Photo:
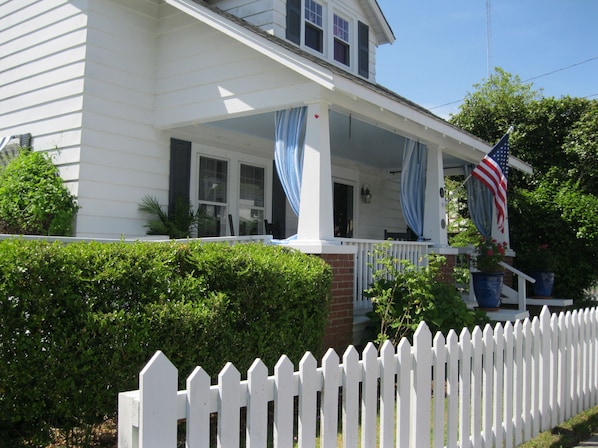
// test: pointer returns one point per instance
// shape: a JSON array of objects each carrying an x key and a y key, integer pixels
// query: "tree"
[{"x": 557, "y": 205}]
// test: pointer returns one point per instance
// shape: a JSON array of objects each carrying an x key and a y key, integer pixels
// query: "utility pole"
[{"x": 488, "y": 38}]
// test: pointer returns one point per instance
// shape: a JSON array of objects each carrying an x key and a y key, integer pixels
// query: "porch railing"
[{"x": 365, "y": 261}]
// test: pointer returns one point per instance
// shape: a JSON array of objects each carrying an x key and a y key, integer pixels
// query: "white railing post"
[{"x": 128, "y": 419}]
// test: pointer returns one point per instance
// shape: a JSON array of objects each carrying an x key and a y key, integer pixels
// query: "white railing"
[
  {"x": 495, "y": 387},
  {"x": 364, "y": 260}
]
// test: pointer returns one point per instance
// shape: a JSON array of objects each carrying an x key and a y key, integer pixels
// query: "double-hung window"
[
  {"x": 314, "y": 32},
  {"x": 341, "y": 40},
  {"x": 251, "y": 199},
  {"x": 212, "y": 196}
]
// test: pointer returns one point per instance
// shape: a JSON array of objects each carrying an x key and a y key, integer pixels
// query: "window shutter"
[
  {"x": 180, "y": 171},
  {"x": 363, "y": 49},
  {"x": 294, "y": 21}
]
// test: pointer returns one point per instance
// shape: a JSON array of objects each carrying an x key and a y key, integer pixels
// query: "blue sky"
[{"x": 440, "y": 50}]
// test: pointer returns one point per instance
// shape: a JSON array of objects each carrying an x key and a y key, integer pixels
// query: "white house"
[{"x": 167, "y": 97}]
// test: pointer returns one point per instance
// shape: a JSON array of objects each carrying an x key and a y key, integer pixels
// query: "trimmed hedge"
[{"x": 79, "y": 321}]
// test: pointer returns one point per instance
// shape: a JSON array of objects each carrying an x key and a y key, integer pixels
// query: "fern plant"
[{"x": 179, "y": 224}]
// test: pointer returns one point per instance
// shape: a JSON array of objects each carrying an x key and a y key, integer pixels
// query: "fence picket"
[
  {"x": 488, "y": 379},
  {"x": 497, "y": 422},
  {"x": 257, "y": 405},
  {"x": 198, "y": 413},
  {"x": 495, "y": 392},
  {"x": 329, "y": 414},
  {"x": 465, "y": 388},
  {"x": 439, "y": 371},
  {"x": 283, "y": 399},
  {"x": 369, "y": 395},
  {"x": 452, "y": 389},
  {"x": 351, "y": 377},
  {"x": 404, "y": 427},
  {"x": 476, "y": 385},
  {"x": 422, "y": 379},
  {"x": 509, "y": 380},
  {"x": 157, "y": 402},
  {"x": 387, "y": 395},
  {"x": 518, "y": 382}
]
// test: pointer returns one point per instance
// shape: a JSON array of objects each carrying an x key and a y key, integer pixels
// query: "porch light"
[{"x": 365, "y": 194}]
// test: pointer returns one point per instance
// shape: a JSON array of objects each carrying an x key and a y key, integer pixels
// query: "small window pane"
[
  {"x": 341, "y": 28},
  {"x": 341, "y": 52},
  {"x": 212, "y": 180},
  {"x": 313, "y": 12},
  {"x": 211, "y": 220},
  {"x": 314, "y": 38},
  {"x": 252, "y": 185}
]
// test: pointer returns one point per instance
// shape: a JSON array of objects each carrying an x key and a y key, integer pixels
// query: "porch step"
[
  {"x": 505, "y": 314},
  {"x": 537, "y": 301}
]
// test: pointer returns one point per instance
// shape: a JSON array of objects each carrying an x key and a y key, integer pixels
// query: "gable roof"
[
  {"x": 328, "y": 75},
  {"x": 384, "y": 33}
]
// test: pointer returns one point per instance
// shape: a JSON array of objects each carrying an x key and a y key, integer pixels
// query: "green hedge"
[{"x": 79, "y": 321}]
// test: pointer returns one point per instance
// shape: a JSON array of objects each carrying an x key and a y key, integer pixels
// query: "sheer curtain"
[
  {"x": 413, "y": 185},
  {"x": 288, "y": 152},
  {"x": 479, "y": 202}
]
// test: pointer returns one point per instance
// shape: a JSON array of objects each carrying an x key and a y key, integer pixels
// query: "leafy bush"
[
  {"x": 79, "y": 321},
  {"x": 33, "y": 198},
  {"x": 403, "y": 295}
]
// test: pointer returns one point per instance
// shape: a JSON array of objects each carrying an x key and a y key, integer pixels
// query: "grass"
[{"x": 569, "y": 434}]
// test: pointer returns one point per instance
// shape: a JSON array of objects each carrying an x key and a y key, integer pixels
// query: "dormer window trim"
[{"x": 321, "y": 28}]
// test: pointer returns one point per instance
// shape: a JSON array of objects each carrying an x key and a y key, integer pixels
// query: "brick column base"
[{"x": 339, "y": 331}]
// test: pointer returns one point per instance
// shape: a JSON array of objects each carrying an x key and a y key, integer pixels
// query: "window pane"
[
  {"x": 341, "y": 52},
  {"x": 251, "y": 221},
  {"x": 211, "y": 220},
  {"x": 313, "y": 12},
  {"x": 341, "y": 28},
  {"x": 252, "y": 186},
  {"x": 212, "y": 180},
  {"x": 314, "y": 38}
]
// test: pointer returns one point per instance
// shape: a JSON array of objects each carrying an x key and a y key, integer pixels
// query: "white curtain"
[
  {"x": 413, "y": 185},
  {"x": 288, "y": 152}
]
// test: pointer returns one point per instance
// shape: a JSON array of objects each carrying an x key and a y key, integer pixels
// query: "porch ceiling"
[{"x": 350, "y": 138}]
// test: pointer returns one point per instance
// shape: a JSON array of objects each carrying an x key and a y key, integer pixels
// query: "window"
[
  {"x": 314, "y": 33},
  {"x": 343, "y": 210},
  {"x": 341, "y": 40},
  {"x": 251, "y": 200},
  {"x": 213, "y": 197}
]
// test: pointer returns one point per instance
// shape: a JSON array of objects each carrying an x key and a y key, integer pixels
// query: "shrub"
[
  {"x": 79, "y": 321},
  {"x": 403, "y": 295},
  {"x": 33, "y": 198}
]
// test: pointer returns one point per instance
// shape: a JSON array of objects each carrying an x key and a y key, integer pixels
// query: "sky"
[{"x": 441, "y": 48}]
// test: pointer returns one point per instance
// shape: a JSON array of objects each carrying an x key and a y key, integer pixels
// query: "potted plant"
[
  {"x": 488, "y": 279},
  {"x": 541, "y": 262}
]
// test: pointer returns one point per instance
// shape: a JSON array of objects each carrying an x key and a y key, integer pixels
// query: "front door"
[{"x": 343, "y": 210}]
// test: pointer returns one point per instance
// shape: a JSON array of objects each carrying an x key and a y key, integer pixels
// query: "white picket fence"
[{"x": 493, "y": 387}]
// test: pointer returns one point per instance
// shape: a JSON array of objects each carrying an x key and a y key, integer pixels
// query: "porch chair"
[
  {"x": 272, "y": 228},
  {"x": 230, "y": 224},
  {"x": 396, "y": 236}
]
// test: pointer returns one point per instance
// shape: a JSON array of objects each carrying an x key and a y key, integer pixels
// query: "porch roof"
[{"x": 376, "y": 114}]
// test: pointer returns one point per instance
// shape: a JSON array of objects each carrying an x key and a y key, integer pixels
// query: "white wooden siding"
[
  {"x": 41, "y": 77},
  {"x": 123, "y": 157},
  {"x": 203, "y": 75}
]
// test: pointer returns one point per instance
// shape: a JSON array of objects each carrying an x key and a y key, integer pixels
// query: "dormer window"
[
  {"x": 314, "y": 33},
  {"x": 341, "y": 40},
  {"x": 329, "y": 30}
]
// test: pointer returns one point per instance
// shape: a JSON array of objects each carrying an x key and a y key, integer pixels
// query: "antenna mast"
[{"x": 488, "y": 38}]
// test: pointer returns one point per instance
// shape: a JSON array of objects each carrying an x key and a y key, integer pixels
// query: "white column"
[
  {"x": 435, "y": 203},
  {"x": 316, "y": 209}
]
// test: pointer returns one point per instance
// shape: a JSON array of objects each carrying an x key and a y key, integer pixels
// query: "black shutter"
[
  {"x": 363, "y": 49},
  {"x": 180, "y": 172},
  {"x": 294, "y": 21}
]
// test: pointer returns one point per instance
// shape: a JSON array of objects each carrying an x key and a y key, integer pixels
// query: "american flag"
[{"x": 492, "y": 171}]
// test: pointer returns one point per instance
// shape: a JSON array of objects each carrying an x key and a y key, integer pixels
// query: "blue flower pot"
[
  {"x": 487, "y": 288},
  {"x": 544, "y": 283}
]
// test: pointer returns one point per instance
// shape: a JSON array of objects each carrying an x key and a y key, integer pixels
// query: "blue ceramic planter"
[
  {"x": 487, "y": 288},
  {"x": 544, "y": 283}
]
